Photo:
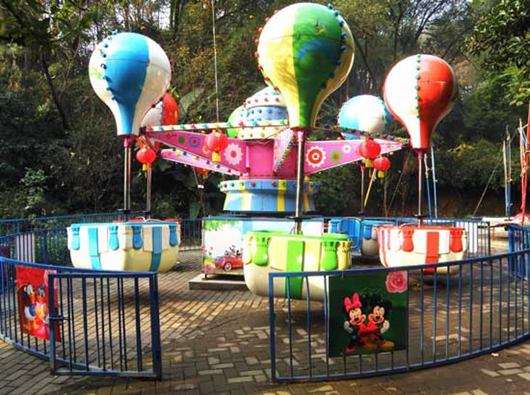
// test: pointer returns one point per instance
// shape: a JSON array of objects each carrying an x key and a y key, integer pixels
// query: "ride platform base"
[{"x": 212, "y": 282}]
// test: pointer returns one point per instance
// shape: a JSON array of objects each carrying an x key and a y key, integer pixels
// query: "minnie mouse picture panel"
[{"x": 368, "y": 313}]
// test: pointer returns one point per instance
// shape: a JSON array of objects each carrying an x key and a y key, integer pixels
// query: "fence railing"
[
  {"x": 105, "y": 322},
  {"x": 49, "y": 246},
  {"x": 45, "y": 246},
  {"x": 84, "y": 322},
  {"x": 476, "y": 306},
  {"x": 20, "y": 225},
  {"x": 478, "y": 231},
  {"x": 191, "y": 234}
]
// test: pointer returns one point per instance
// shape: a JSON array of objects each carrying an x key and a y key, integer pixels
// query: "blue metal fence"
[
  {"x": 478, "y": 231},
  {"x": 20, "y": 225},
  {"x": 105, "y": 322},
  {"x": 108, "y": 322},
  {"x": 46, "y": 246},
  {"x": 49, "y": 246},
  {"x": 113, "y": 329},
  {"x": 191, "y": 234},
  {"x": 482, "y": 307}
]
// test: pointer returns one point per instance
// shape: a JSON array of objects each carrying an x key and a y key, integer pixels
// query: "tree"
[{"x": 501, "y": 40}]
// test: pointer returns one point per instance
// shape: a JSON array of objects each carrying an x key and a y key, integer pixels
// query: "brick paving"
[{"x": 217, "y": 342}]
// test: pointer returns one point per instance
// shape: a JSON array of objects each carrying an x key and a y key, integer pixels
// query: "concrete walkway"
[{"x": 216, "y": 342}]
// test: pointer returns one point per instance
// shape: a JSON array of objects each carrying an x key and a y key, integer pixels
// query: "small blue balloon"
[{"x": 366, "y": 114}]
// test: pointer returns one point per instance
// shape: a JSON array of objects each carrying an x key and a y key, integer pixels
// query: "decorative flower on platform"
[
  {"x": 315, "y": 156},
  {"x": 233, "y": 154},
  {"x": 396, "y": 282}
]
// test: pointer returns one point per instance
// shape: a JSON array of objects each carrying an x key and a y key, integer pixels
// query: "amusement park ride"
[{"x": 305, "y": 52}]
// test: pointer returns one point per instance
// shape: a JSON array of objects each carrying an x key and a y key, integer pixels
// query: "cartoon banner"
[
  {"x": 223, "y": 239},
  {"x": 368, "y": 313},
  {"x": 32, "y": 295}
]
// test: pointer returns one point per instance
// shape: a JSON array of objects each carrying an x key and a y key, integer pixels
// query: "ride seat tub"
[
  {"x": 128, "y": 246},
  {"x": 410, "y": 245},
  {"x": 363, "y": 233},
  {"x": 267, "y": 252}
]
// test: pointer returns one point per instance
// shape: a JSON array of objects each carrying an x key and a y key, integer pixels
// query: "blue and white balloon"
[
  {"x": 365, "y": 113},
  {"x": 130, "y": 73}
]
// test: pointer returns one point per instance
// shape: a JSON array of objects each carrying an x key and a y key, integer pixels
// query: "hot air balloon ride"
[
  {"x": 305, "y": 52},
  {"x": 419, "y": 92},
  {"x": 130, "y": 73}
]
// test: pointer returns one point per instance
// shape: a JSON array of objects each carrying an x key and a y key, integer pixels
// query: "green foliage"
[
  {"x": 216, "y": 224},
  {"x": 501, "y": 38},
  {"x": 59, "y": 153},
  {"x": 469, "y": 166},
  {"x": 337, "y": 187}
]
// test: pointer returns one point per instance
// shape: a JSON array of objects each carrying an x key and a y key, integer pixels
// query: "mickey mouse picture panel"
[{"x": 368, "y": 313}]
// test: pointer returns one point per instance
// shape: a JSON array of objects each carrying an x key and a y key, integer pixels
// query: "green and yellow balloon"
[{"x": 306, "y": 51}]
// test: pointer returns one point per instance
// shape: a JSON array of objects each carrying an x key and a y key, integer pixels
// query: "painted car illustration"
[{"x": 230, "y": 260}]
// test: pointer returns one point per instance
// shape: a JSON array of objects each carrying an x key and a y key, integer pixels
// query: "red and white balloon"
[
  {"x": 166, "y": 112},
  {"x": 420, "y": 91}
]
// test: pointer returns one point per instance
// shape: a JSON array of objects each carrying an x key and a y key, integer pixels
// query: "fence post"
[
  {"x": 45, "y": 247},
  {"x": 271, "y": 328},
  {"x": 155, "y": 326},
  {"x": 52, "y": 320}
]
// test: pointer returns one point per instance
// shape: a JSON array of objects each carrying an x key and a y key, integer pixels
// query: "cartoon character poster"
[
  {"x": 32, "y": 294},
  {"x": 368, "y": 313},
  {"x": 223, "y": 240}
]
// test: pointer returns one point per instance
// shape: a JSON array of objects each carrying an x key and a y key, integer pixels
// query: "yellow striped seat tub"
[{"x": 267, "y": 252}]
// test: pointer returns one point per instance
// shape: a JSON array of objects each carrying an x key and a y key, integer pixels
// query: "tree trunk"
[{"x": 53, "y": 91}]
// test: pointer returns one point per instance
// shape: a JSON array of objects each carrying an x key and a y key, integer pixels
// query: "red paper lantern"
[
  {"x": 381, "y": 164},
  {"x": 216, "y": 142},
  {"x": 146, "y": 156},
  {"x": 202, "y": 171},
  {"x": 369, "y": 149}
]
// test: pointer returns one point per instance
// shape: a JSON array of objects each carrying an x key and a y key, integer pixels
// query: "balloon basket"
[
  {"x": 411, "y": 245},
  {"x": 267, "y": 252},
  {"x": 127, "y": 246}
]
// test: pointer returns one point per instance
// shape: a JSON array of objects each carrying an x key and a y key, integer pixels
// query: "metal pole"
[
  {"x": 127, "y": 143},
  {"x": 427, "y": 184},
  {"x": 506, "y": 150},
  {"x": 420, "y": 188},
  {"x": 434, "y": 182},
  {"x": 215, "y": 64},
  {"x": 300, "y": 181},
  {"x": 361, "y": 213},
  {"x": 526, "y": 151},
  {"x": 148, "y": 191}
]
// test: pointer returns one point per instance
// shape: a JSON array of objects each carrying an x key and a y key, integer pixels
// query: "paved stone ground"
[{"x": 218, "y": 343}]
